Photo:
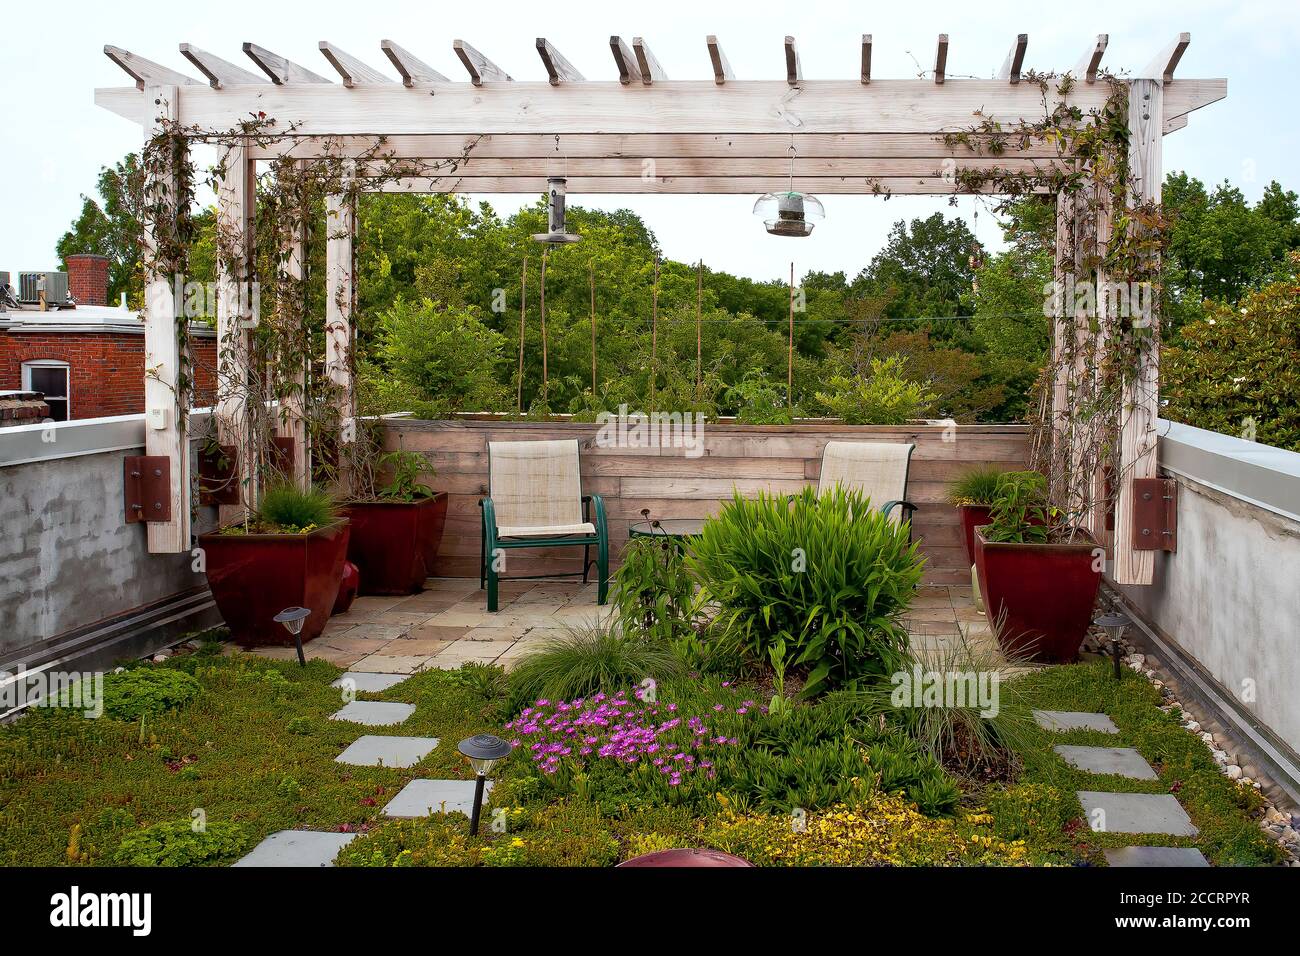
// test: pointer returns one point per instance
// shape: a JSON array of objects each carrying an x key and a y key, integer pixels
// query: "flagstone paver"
[
  {"x": 1124, "y": 761},
  {"x": 392, "y": 663},
  {"x": 297, "y": 848},
  {"x": 419, "y": 798},
  {"x": 1074, "y": 720},
  {"x": 370, "y": 683},
  {"x": 374, "y": 750},
  {"x": 1156, "y": 856},
  {"x": 375, "y": 713},
  {"x": 1136, "y": 813}
]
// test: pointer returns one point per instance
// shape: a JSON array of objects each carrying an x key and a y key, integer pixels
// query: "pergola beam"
[
  {"x": 480, "y": 69},
  {"x": 146, "y": 72},
  {"x": 866, "y": 58},
  {"x": 413, "y": 70},
  {"x": 693, "y": 185},
  {"x": 1087, "y": 68},
  {"x": 353, "y": 71},
  {"x": 1166, "y": 61},
  {"x": 793, "y": 71},
  {"x": 941, "y": 59},
  {"x": 220, "y": 73},
  {"x": 629, "y": 70},
  {"x": 721, "y": 68},
  {"x": 282, "y": 71},
  {"x": 1015, "y": 59},
  {"x": 650, "y": 68},
  {"x": 559, "y": 69}
]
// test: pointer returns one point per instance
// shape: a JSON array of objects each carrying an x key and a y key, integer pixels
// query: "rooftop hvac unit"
[{"x": 56, "y": 287}]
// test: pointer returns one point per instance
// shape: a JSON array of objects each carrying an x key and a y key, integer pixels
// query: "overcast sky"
[{"x": 55, "y": 139}]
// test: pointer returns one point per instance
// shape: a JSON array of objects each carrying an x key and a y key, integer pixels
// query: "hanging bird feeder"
[
  {"x": 789, "y": 213},
  {"x": 555, "y": 214}
]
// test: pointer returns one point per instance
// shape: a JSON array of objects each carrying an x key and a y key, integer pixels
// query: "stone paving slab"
[
  {"x": 1156, "y": 856},
  {"x": 419, "y": 798},
  {"x": 1124, "y": 761},
  {"x": 370, "y": 683},
  {"x": 375, "y": 713},
  {"x": 1135, "y": 813},
  {"x": 374, "y": 750},
  {"x": 297, "y": 848},
  {"x": 1074, "y": 720},
  {"x": 392, "y": 663}
]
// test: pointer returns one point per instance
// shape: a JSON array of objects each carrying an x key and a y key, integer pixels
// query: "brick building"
[{"x": 88, "y": 361}]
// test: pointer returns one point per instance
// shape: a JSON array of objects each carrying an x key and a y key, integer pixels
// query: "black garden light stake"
[
  {"x": 292, "y": 618},
  {"x": 484, "y": 752},
  {"x": 1114, "y": 625}
]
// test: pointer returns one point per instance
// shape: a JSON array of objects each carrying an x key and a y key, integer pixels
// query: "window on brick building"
[{"x": 53, "y": 379}]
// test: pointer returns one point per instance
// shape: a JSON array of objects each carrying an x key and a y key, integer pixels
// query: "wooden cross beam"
[
  {"x": 1166, "y": 61},
  {"x": 146, "y": 72},
  {"x": 646, "y": 62},
  {"x": 721, "y": 68},
  {"x": 481, "y": 70},
  {"x": 1015, "y": 59},
  {"x": 353, "y": 71},
  {"x": 793, "y": 72},
  {"x": 1087, "y": 68},
  {"x": 219, "y": 72},
  {"x": 558, "y": 68},
  {"x": 412, "y": 69},
  {"x": 629, "y": 70},
  {"x": 280, "y": 70},
  {"x": 941, "y": 59},
  {"x": 866, "y": 58}
]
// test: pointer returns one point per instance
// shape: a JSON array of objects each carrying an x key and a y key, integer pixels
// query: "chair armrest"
[
  {"x": 596, "y": 501},
  {"x": 907, "y": 507},
  {"x": 489, "y": 510}
]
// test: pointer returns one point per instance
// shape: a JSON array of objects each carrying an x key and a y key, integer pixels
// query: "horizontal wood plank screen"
[{"x": 748, "y": 458}]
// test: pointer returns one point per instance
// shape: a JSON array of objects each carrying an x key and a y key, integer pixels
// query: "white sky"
[{"x": 53, "y": 139}]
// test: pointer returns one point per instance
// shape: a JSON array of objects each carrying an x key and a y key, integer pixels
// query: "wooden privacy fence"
[{"x": 744, "y": 458}]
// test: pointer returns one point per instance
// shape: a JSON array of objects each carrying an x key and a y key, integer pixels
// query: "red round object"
[
  {"x": 349, "y": 585},
  {"x": 686, "y": 857}
]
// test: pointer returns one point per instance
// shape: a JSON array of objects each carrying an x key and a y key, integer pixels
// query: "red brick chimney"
[{"x": 88, "y": 278}]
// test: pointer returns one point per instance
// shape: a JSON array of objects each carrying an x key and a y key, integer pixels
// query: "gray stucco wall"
[
  {"x": 68, "y": 559},
  {"x": 1230, "y": 595}
]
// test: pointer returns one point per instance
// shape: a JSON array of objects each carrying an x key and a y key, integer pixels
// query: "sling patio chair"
[
  {"x": 535, "y": 500},
  {"x": 876, "y": 469}
]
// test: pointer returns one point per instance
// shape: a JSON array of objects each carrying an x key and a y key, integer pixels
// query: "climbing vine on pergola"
[{"x": 1090, "y": 137}]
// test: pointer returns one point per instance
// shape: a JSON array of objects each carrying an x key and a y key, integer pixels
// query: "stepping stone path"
[
  {"x": 297, "y": 848},
  {"x": 1156, "y": 856},
  {"x": 1123, "y": 812},
  {"x": 376, "y": 713},
  {"x": 1074, "y": 720},
  {"x": 376, "y": 751},
  {"x": 419, "y": 798},
  {"x": 369, "y": 683},
  {"x": 1124, "y": 761}
]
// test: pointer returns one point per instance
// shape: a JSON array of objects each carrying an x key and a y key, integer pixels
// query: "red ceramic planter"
[
  {"x": 972, "y": 517},
  {"x": 394, "y": 543},
  {"x": 1042, "y": 595},
  {"x": 254, "y": 577}
]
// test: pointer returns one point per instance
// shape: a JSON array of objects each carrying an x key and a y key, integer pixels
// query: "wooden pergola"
[{"x": 639, "y": 133}]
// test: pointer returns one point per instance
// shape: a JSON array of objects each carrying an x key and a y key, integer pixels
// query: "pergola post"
[
  {"x": 166, "y": 388},
  {"x": 1062, "y": 327},
  {"x": 236, "y": 192},
  {"x": 291, "y": 422},
  {"x": 1096, "y": 521},
  {"x": 340, "y": 297},
  {"x": 1140, "y": 406}
]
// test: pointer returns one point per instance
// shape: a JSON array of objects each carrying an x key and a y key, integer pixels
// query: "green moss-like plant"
[
  {"x": 182, "y": 843},
  {"x": 147, "y": 692}
]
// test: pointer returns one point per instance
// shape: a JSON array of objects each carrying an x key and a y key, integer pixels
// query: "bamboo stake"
[
  {"x": 545, "y": 377},
  {"x": 699, "y": 350},
  {"x": 654, "y": 337},
  {"x": 789, "y": 368},
  {"x": 523, "y": 305},
  {"x": 591, "y": 279}
]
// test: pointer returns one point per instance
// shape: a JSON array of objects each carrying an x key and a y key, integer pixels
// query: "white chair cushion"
[{"x": 547, "y": 531}]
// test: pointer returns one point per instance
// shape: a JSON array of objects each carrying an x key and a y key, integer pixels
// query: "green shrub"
[
  {"x": 588, "y": 659},
  {"x": 978, "y": 486},
  {"x": 759, "y": 402},
  {"x": 1019, "y": 511},
  {"x": 288, "y": 509},
  {"x": 813, "y": 583},
  {"x": 179, "y": 843},
  {"x": 147, "y": 691},
  {"x": 885, "y": 397},
  {"x": 655, "y": 591}
]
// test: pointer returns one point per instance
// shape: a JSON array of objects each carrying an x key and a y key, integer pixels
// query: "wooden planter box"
[
  {"x": 1039, "y": 597},
  {"x": 254, "y": 577},
  {"x": 394, "y": 543}
]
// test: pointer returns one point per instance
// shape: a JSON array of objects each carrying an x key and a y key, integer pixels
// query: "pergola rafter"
[{"x": 715, "y": 135}]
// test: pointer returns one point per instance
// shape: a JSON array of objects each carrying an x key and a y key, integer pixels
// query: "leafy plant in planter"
[
  {"x": 1038, "y": 575},
  {"x": 287, "y": 553},
  {"x": 397, "y": 522},
  {"x": 825, "y": 580},
  {"x": 973, "y": 495}
]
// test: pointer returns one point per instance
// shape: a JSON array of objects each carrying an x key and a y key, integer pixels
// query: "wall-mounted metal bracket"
[
  {"x": 147, "y": 488},
  {"x": 219, "y": 474},
  {"x": 282, "y": 455},
  {"x": 1155, "y": 514}
]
